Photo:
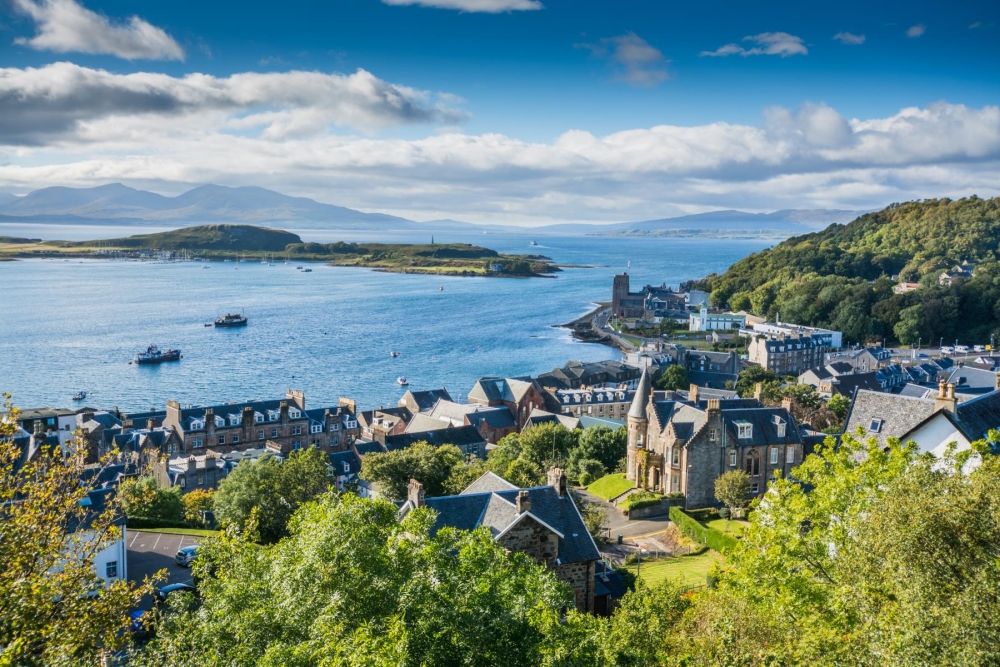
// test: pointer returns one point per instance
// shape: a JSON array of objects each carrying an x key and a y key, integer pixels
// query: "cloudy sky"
[{"x": 508, "y": 111}]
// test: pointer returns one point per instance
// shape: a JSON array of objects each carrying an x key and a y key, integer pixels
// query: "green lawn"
[
  {"x": 733, "y": 527},
  {"x": 610, "y": 486},
  {"x": 198, "y": 532},
  {"x": 689, "y": 570}
]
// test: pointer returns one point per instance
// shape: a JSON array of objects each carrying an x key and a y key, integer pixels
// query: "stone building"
[
  {"x": 542, "y": 522},
  {"x": 519, "y": 395},
  {"x": 285, "y": 423},
  {"x": 787, "y": 354},
  {"x": 679, "y": 446}
]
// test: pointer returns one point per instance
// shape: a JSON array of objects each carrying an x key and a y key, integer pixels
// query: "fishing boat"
[
  {"x": 79, "y": 396},
  {"x": 231, "y": 320},
  {"x": 154, "y": 355},
  {"x": 532, "y": 242},
  {"x": 402, "y": 381}
]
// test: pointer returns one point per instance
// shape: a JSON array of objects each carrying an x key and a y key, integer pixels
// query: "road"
[{"x": 619, "y": 525}]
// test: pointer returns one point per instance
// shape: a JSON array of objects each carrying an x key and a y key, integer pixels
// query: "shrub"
[
  {"x": 696, "y": 531},
  {"x": 641, "y": 499}
]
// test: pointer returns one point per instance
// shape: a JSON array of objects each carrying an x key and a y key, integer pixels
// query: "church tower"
[{"x": 638, "y": 423}]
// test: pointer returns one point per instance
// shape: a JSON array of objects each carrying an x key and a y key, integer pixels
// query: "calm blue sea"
[{"x": 71, "y": 326}]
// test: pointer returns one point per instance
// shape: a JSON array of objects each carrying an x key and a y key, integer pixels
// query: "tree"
[
  {"x": 586, "y": 471},
  {"x": 547, "y": 444},
  {"x": 196, "y": 503},
  {"x": 732, "y": 488},
  {"x": 271, "y": 490},
  {"x": 748, "y": 378},
  {"x": 602, "y": 444},
  {"x": 839, "y": 405},
  {"x": 55, "y": 608},
  {"x": 675, "y": 377},
  {"x": 351, "y": 585},
  {"x": 144, "y": 498},
  {"x": 524, "y": 473},
  {"x": 430, "y": 466}
]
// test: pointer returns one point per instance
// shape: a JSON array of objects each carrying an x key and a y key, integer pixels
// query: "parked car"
[
  {"x": 165, "y": 592},
  {"x": 946, "y": 350},
  {"x": 186, "y": 556},
  {"x": 962, "y": 348}
]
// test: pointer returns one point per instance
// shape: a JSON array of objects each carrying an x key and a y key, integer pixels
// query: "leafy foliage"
[
  {"x": 143, "y": 498},
  {"x": 675, "y": 377},
  {"x": 55, "y": 609},
  {"x": 429, "y": 465},
  {"x": 600, "y": 443},
  {"x": 838, "y": 277},
  {"x": 732, "y": 489},
  {"x": 271, "y": 491}
]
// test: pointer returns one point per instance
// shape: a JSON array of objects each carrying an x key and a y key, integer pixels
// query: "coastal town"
[{"x": 733, "y": 392}]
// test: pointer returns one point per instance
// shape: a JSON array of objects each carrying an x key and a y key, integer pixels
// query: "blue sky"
[{"x": 550, "y": 111}]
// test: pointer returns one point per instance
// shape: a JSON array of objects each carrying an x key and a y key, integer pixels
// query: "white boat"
[
  {"x": 402, "y": 381},
  {"x": 532, "y": 242}
]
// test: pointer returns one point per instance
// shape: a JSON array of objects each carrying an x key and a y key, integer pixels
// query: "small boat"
[
  {"x": 208, "y": 324},
  {"x": 402, "y": 381},
  {"x": 299, "y": 268},
  {"x": 394, "y": 354},
  {"x": 532, "y": 242},
  {"x": 307, "y": 270},
  {"x": 154, "y": 355},
  {"x": 441, "y": 289},
  {"x": 231, "y": 320},
  {"x": 79, "y": 396}
]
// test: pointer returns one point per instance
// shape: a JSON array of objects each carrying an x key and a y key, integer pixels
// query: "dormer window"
[
  {"x": 294, "y": 414},
  {"x": 347, "y": 467},
  {"x": 779, "y": 426},
  {"x": 272, "y": 415},
  {"x": 258, "y": 418},
  {"x": 235, "y": 420},
  {"x": 220, "y": 422},
  {"x": 744, "y": 430},
  {"x": 876, "y": 425}
]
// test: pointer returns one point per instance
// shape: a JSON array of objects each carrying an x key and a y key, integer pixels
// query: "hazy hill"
[
  {"x": 237, "y": 238},
  {"x": 823, "y": 278},
  {"x": 779, "y": 223},
  {"x": 208, "y": 203}
]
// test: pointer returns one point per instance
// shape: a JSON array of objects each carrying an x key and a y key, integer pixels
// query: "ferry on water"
[
  {"x": 154, "y": 355},
  {"x": 231, "y": 320}
]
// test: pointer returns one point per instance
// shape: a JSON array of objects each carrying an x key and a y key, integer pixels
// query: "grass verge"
[
  {"x": 610, "y": 486},
  {"x": 688, "y": 570}
]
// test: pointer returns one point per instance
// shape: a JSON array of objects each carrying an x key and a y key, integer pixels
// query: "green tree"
[
  {"x": 56, "y": 611},
  {"x": 839, "y": 405},
  {"x": 351, "y": 585},
  {"x": 748, "y": 378},
  {"x": 524, "y": 473},
  {"x": 196, "y": 503},
  {"x": 586, "y": 471},
  {"x": 675, "y": 377},
  {"x": 602, "y": 444},
  {"x": 547, "y": 444},
  {"x": 271, "y": 491},
  {"x": 144, "y": 498},
  {"x": 429, "y": 465},
  {"x": 907, "y": 329},
  {"x": 732, "y": 489},
  {"x": 656, "y": 611}
]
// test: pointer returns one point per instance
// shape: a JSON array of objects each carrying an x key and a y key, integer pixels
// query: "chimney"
[
  {"x": 523, "y": 501},
  {"x": 557, "y": 480},
  {"x": 296, "y": 397},
  {"x": 758, "y": 390},
  {"x": 415, "y": 493},
  {"x": 127, "y": 425},
  {"x": 945, "y": 399},
  {"x": 786, "y": 403},
  {"x": 192, "y": 465},
  {"x": 693, "y": 394},
  {"x": 714, "y": 406},
  {"x": 150, "y": 424}
]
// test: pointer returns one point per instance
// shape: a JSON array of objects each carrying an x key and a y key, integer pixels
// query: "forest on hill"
[{"x": 843, "y": 277}]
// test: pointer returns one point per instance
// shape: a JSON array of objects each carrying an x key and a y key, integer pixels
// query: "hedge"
[
  {"x": 699, "y": 533},
  {"x": 641, "y": 499},
  {"x": 144, "y": 522}
]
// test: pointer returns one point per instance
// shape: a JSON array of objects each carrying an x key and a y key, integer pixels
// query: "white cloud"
[
  {"x": 767, "y": 44},
  {"x": 65, "y": 26},
  {"x": 916, "y": 30},
  {"x": 976, "y": 24},
  {"x": 38, "y": 105},
  {"x": 274, "y": 130},
  {"x": 849, "y": 38},
  {"x": 636, "y": 61},
  {"x": 486, "y": 6}
]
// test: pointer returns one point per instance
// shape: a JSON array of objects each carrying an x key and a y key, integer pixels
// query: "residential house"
[
  {"x": 188, "y": 473},
  {"x": 963, "y": 271},
  {"x": 577, "y": 374},
  {"x": 827, "y": 337},
  {"x": 539, "y": 417},
  {"x": 492, "y": 422},
  {"x": 717, "y": 370},
  {"x": 787, "y": 355},
  {"x": 869, "y": 359},
  {"x": 466, "y": 438},
  {"x": 610, "y": 402},
  {"x": 542, "y": 522},
  {"x": 972, "y": 380},
  {"x": 904, "y": 287},
  {"x": 423, "y": 401},
  {"x": 346, "y": 467},
  {"x": 519, "y": 395},
  {"x": 684, "y": 446},
  {"x": 55, "y": 420},
  {"x": 378, "y": 424},
  {"x": 285, "y": 423}
]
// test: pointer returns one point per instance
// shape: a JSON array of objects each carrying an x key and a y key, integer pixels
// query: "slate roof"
[
  {"x": 488, "y": 482},
  {"x": 587, "y": 421},
  {"x": 765, "y": 429},
  {"x": 642, "y": 393},
  {"x": 498, "y": 417},
  {"x": 539, "y": 417},
  {"x": 712, "y": 379},
  {"x": 976, "y": 416},
  {"x": 847, "y": 385},
  {"x": 917, "y": 391},
  {"x": 366, "y": 447},
  {"x": 460, "y": 436},
  {"x": 422, "y": 423},
  {"x": 898, "y": 414},
  {"x": 497, "y": 511},
  {"x": 339, "y": 459},
  {"x": 608, "y": 582},
  {"x": 971, "y": 380},
  {"x": 839, "y": 368},
  {"x": 426, "y": 399}
]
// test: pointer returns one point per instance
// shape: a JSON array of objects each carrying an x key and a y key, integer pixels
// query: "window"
[
  {"x": 222, "y": 439},
  {"x": 196, "y": 442},
  {"x": 790, "y": 455},
  {"x": 774, "y": 455},
  {"x": 713, "y": 435},
  {"x": 732, "y": 459},
  {"x": 755, "y": 489},
  {"x": 111, "y": 569},
  {"x": 745, "y": 430},
  {"x": 677, "y": 456},
  {"x": 297, "y": 445},
  {"x": 260, "y": 434},
  {"x": 236, "y": 438},
  {"x": 183, "y": 482},
  {"x": 316, "y": 428},
  {"x": 752, "y": 463},
  {"x": 258, "y": 418},
  {"x": 294, "y": 414},
  {"x": 201, "y": 480},
  {"x": 875, "y": 426},
  {"x": 296, "y": 430},
  {"x": 274, "y": 433}
]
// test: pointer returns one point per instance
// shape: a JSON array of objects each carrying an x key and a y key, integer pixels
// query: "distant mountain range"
[{"x": 117, "y": 203}]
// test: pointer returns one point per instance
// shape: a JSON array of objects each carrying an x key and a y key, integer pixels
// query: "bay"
[{"x": 74, "y": 325}]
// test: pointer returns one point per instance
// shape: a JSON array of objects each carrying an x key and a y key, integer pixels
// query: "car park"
[
  {"x": 184, "y": 557},
  {"x": 164, "y": 593}
]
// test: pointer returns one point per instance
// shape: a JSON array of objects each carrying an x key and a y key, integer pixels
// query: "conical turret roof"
[{"x": 641, "y": 398}]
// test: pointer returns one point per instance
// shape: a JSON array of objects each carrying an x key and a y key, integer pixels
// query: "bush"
[
  {"x": 707, "y": 536},
  {"x": 641, "y": 499}
]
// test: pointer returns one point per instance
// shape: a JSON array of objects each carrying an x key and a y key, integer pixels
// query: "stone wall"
[
  {"x": 579, "y": 577},
  {"x": 660, "y": 509},
  {"x": 535, "y": 540}
]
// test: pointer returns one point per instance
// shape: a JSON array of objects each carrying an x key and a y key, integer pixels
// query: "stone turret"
[{"x": 638, "y": 422}]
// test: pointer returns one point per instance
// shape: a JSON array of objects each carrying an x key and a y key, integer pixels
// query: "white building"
[
  {"x": 834, "y": 339},
  {"x": 706, "y": 321}
]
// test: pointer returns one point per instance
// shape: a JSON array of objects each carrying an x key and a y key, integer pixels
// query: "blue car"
[{"x": 186, "y": 556}]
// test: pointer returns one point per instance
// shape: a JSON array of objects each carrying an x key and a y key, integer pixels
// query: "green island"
[
  {"x": 921, "y": 271},
  {"x": 223, "y": 241}
]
